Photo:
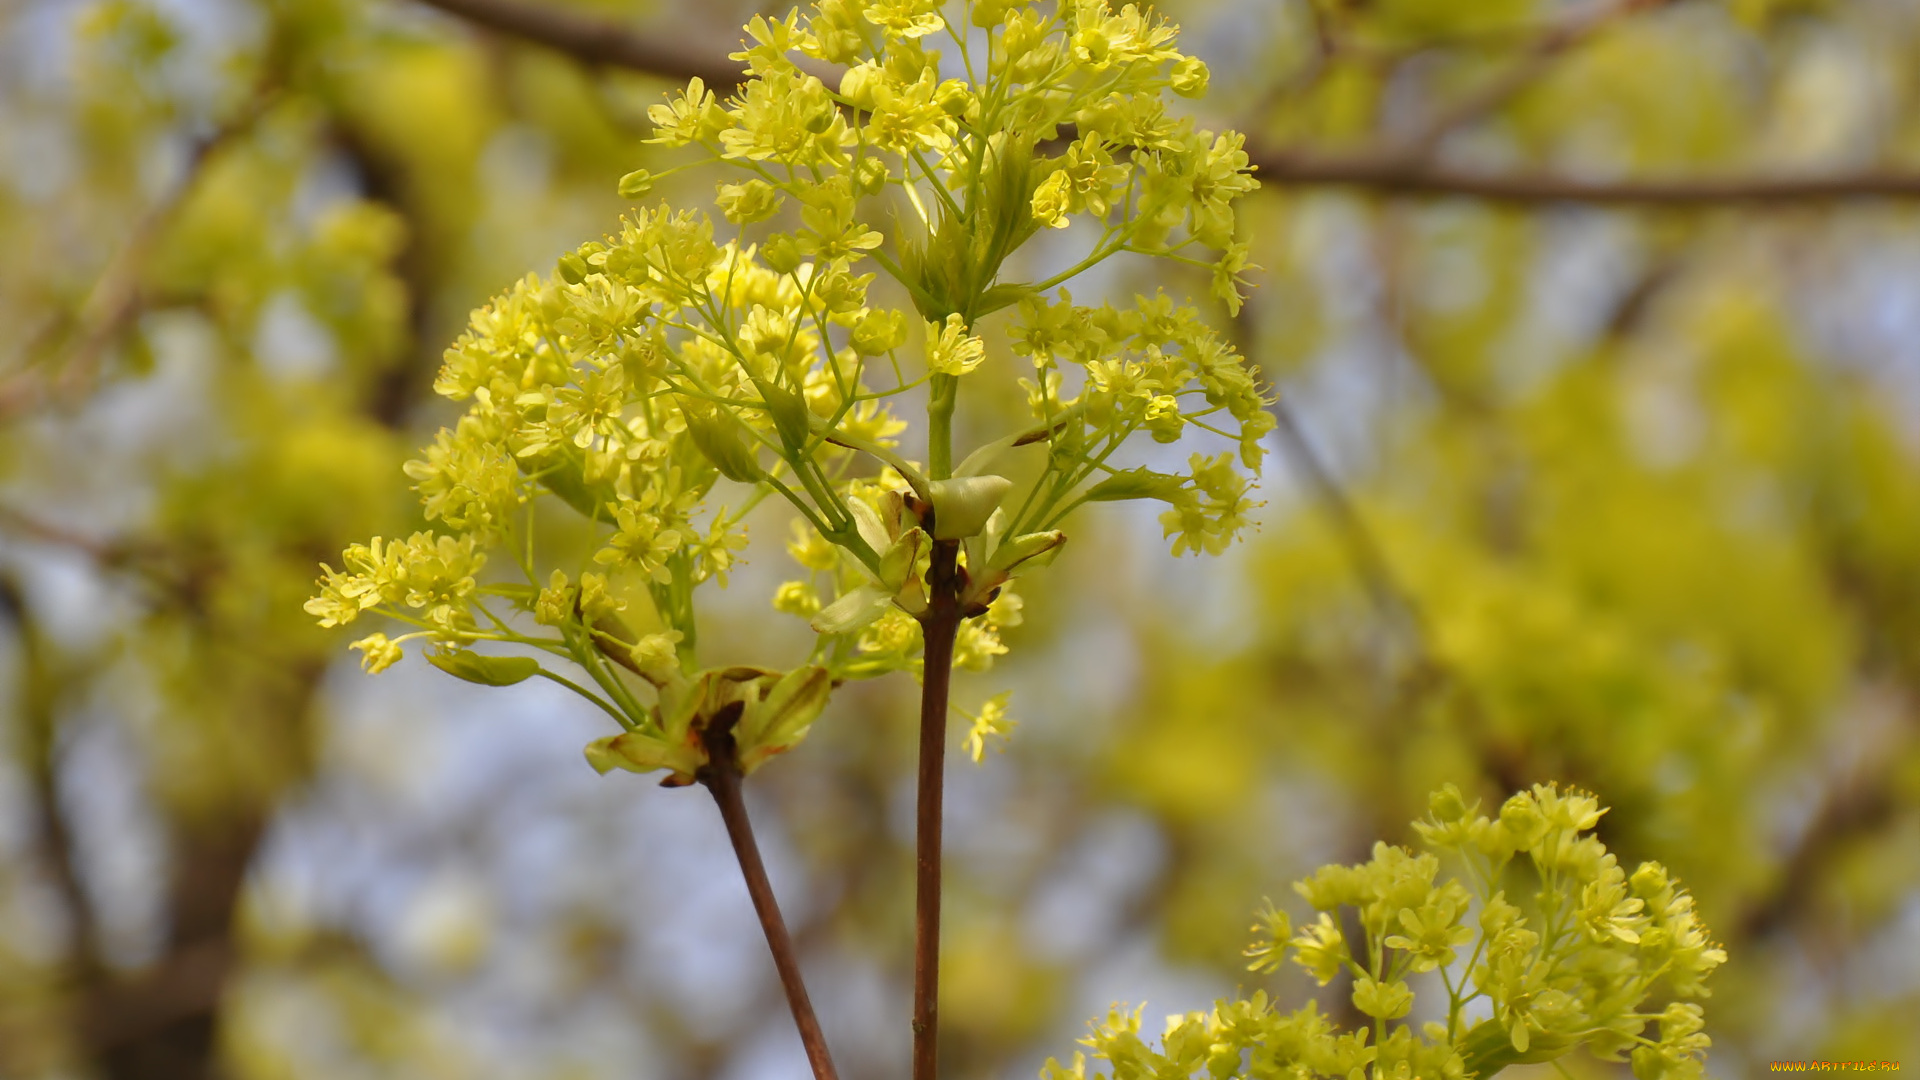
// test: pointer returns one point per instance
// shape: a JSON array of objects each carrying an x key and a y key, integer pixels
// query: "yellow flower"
[
  {"x": 377, "y": 654},
  {"x": 951, "y": 350},
  {"x": 992, "y": 723}
]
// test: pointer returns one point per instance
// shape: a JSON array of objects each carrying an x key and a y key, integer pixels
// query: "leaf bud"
[
  {"x": 962, "y": 504},
  {"x": 643, "y": 752},
  {"x": 1036, "y": 548},
  {"x": 780, "y": 720}
]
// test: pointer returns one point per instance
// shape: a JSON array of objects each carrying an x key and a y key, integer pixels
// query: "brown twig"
[
  {"x": 1386, "y": 172},
  {"x": 1535, "y": 60},
  {"x": 594, "y": 41},
  {"x": 939, "y": 627},
  {"x": 115, "y": 301},
  {"x": 1391, "y": 175},
  {"x": 722, "y": 778},
  {"x": 39, "y": 714}
]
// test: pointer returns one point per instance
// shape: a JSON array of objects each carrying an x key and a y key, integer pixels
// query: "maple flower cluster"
[
  {"x": 1572, "y": 957},
  {"x": 857, "y": 256}
]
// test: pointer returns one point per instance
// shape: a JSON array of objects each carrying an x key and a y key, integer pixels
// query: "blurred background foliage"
[{"x": 1596, "y": 331}]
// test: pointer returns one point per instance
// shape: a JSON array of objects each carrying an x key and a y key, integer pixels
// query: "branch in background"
[
  {"x": 1847, "y": 813},
  {"x": 597, "y": 42},
  {"x": 1391, "y": 175},
  {"x": 1536, "y": 59},
  {"x": 1369, "y": 560},
  {"x": 594, "y": 41},
  {"x": 39, "y": 731},
  {"x": 115, "y": 301},
  {"x": 1390, "y": 597}
]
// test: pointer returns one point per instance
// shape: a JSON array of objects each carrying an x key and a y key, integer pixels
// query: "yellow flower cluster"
[
  {"x": 1570, "y": 959},
  {"x": 760, "y": 346}
]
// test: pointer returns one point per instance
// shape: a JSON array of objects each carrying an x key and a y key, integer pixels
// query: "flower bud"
[
  {"x": 377, "y": 653},
  {"x": 1163, "y": 419},
  {"x": 879, "y": 331},
  {"x": 1649, "y": 880},
  {"x": 953, "y": 97},
  {"x": 485, "y": 670},
  {"x": 781, "y": 254},
  {"x": 749, "y": 201},
  {"x": 1446, "y": 805},
  {"x": 573, "y": 268},
  {"x": 896, "y": 565},
  {"x": 859, "y": 83},
  {"x": 1190, "y": 77},
  {"x": 724, "y": 441},
  {"x": 869, "y": 176},
  {"x": 1522, "y": 820},
  {"x": 635, "y": 184},
  {"x": 790, "y": 414},
  {"x": 1136, "y": 484},
  {"x": 852, "y": 611}
]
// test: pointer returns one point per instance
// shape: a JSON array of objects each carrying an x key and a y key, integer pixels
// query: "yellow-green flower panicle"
[{"x": 1567, "y": 951}]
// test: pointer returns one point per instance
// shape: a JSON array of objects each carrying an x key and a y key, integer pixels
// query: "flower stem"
[
  {"x": 722, "y": 778},
  {"x": 939, "y": 626},
  {"x": 941, "y": 393}
]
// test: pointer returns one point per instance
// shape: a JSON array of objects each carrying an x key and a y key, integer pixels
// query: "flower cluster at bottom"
[{"x": 1576, "y": 956}]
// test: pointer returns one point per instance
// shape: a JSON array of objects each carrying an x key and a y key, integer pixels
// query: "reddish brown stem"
[
  {"x": 939, "y": 626},
  {"x": 722, "y": 778}
]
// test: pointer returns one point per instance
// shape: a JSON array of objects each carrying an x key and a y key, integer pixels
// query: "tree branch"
[
  {"x": 1392, "y": 175},
  {"x": 1536, "y": 59},
  {"x": 722, "y": 778},
  {"x": 115, "y": 300},
  {"x": 939, "y": 627},
  {"x": 593, "y": 41},
  {"x": 38, "y": 703}
]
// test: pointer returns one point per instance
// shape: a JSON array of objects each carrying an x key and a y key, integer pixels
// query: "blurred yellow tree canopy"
[{"x": 1590, "y": 328}]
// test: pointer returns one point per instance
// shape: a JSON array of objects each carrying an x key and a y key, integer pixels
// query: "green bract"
[{"x": 757, "y": 345}]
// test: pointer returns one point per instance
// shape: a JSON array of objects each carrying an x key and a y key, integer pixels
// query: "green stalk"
[{"x": 943, "y": 391}]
